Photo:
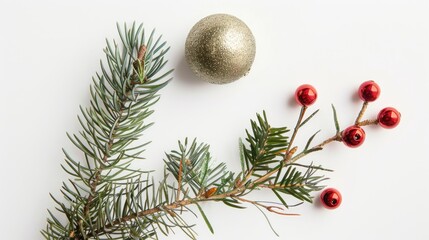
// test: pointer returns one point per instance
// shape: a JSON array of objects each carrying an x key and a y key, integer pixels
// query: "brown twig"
[
  {"x": 336, "y": 137},
  {"x": 295, "y": 131},
  {"x": 277, "y": 186},
  {"x": 361, "y": 112},
  {"x": 179, "y": 180},
  {"x": 367, "y": 122},
  {"x": 269, "y": 208}
]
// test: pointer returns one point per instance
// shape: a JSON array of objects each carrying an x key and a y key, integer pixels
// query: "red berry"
[
  {"x": 331, "y": 198},
  {"x": 353, "y": 136},
  {"x": 389, "y": 117},
  {"x": 305, "y": 95},
  {"x": 369, "y": 91}
]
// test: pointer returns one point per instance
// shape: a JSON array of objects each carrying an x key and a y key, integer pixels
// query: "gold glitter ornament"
[{"x": 220, "y": 48}]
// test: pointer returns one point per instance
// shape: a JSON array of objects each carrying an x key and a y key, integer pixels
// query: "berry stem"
[
  {"x": 336, "y": 137},
  {"x": 367, "y": 122},
  {"x": 361, "y": 113},
  {"x": 288, "y": 154}
]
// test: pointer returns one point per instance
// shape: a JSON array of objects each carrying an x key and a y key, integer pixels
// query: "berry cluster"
[
  {"x": 388, "y": 117},
  {"x": 353, "y": 136}
]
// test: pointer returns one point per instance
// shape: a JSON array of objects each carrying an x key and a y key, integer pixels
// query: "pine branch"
[
  {"x": 120, "y": 100},
  {"x": 200, "y": 180},
  {"x": 190, "y": 167}
]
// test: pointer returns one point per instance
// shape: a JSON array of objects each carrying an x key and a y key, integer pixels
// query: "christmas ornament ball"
[
  {"x": 389, "y": 117},
  {"x": 220, "y": 48},
  {"x": 305, "y": 95},
  {"x": 353, "y": 136},
  {"x": 369, "y": 91},
  {"x": 331, "y": 198}
]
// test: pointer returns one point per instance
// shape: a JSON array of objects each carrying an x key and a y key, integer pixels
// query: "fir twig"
[{"x": 105, "y": 186}]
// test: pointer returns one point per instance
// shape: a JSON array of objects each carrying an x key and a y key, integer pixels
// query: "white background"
[{"x": 49, "y": 50}]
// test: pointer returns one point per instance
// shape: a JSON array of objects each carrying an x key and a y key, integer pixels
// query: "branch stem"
[
  {"x": 235, "y": 193},
  {"x": 336, "y": 137},
  {"x": 295, "y": 131},
  {"x": 97, "y": 174},
  {"x": 179, "y": 180},
  {"x": 95, "y": 181},
  {"x": 361, "y": 113},
  {"x": 273, "y": 209},
  {"x": 367, "y": 122}
]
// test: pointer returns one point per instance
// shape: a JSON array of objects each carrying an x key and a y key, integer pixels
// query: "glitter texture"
[{"x": 220, "y": 48}]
